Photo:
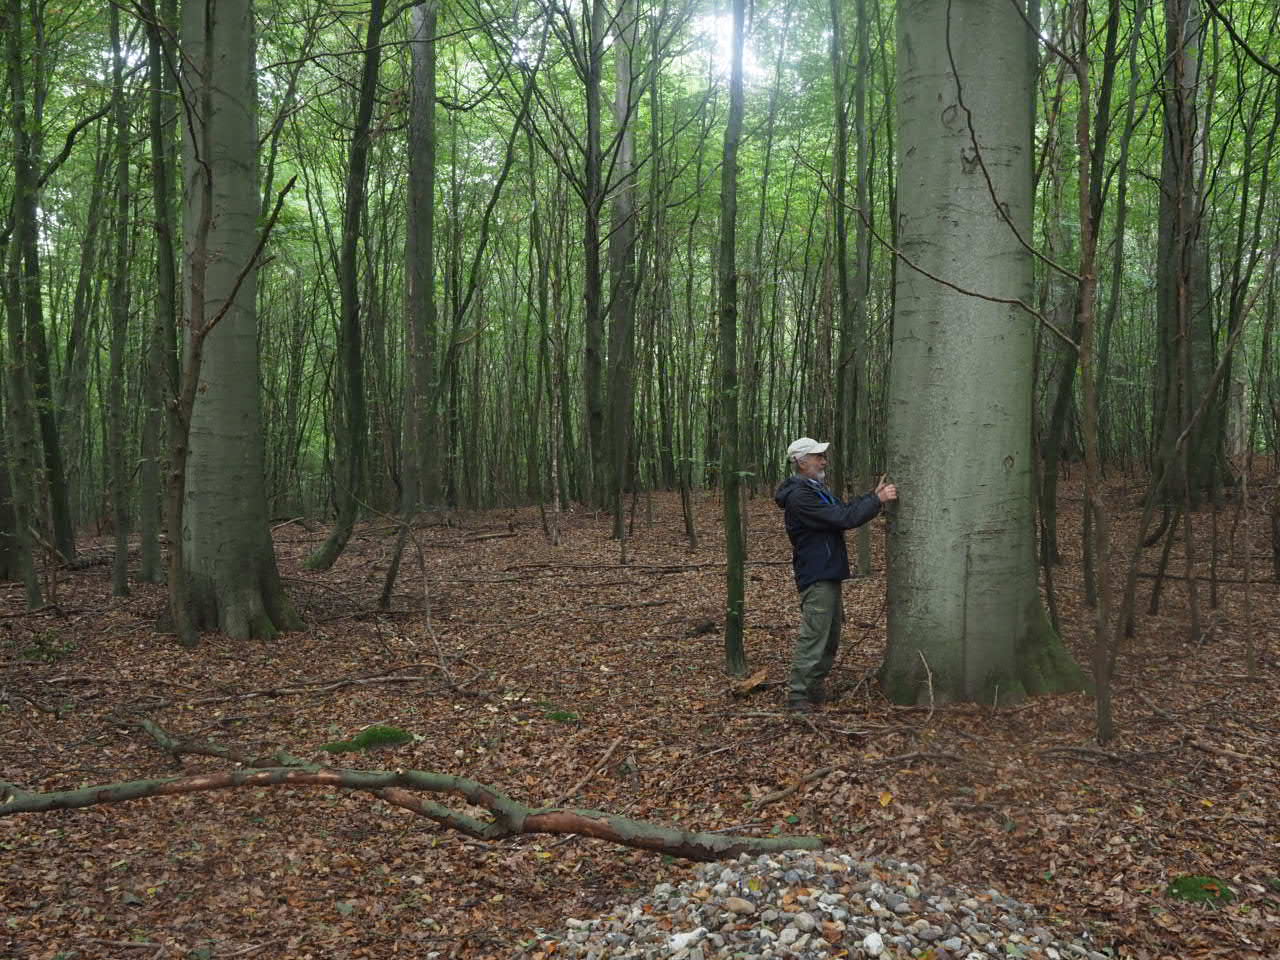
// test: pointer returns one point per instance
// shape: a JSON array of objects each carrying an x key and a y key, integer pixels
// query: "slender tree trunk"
[
  {"x": 18, "y": 466},
  {"x": 860, "y": 407},
  {"x": 13, "y": 561},
  {"x": 1122, "y": 214},
  {"x": 845, "y": 402},
  {"x": 116, "y": 432},
  {"x": 417, "y": 473},
  {"x": 735, "y": 548},
  {"x": 593, "y": 360},
  {"x": 34, "y": 354},
  {"x": 622, "y": 285},
  {"x": 758, "y": 441},
  {"x": 353, "y": 440},
  {"x": 162, "y": 358},
  {"x": 1090, "y": 154},
  {"x": 22, "y": 293},
  {"x": 73, "y": 382},
  {"x": 1182, "y": 298}
]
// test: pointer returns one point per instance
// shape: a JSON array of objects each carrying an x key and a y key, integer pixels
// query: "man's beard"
[{"x": 821, "y": 476}]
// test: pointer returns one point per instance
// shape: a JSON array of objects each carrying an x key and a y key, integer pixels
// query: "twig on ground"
[
  {"x": 1083, "y": 751},
  {"x": 1158, "y": 711},
  {"x": 308, "y": 686},
  {"x": 632, "y": 606},
  {"x": 785, "y": 792},
  {"x": 572, "y": 791},
  {"x": 903, "y": 758},
  {"x": 1220, "y": 751},
  {"x": 243, "y": 950},
  {"x": 6, "y": 695},
  {"x": 128, "y": 944},
  {"x": 929, "y": 675},
  {"x": 751, "y": 824}
]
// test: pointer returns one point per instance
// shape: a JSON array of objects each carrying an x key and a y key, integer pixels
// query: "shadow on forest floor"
[{"x": 531, "y": 663}]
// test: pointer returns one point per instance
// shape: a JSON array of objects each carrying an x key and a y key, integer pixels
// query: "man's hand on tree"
[{"x": 886, "y": 491}]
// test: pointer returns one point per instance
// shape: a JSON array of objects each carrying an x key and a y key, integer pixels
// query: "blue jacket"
[{"x": 816, "y": 520}]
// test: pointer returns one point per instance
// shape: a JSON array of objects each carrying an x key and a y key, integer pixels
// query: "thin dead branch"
[{"x": 573, "y": 791}]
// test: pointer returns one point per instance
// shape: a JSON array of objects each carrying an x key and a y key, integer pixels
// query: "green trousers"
[{"x": 821, "y": 611}]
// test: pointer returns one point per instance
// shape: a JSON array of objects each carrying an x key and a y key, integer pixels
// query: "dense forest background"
[
  {"x": 550, "y": 366},
  {"x": 461, "y": 344},
  {"x": 266, "y": 262}
]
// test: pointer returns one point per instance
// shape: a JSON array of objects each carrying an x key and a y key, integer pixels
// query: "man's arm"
[{"x": 813, "y": 512}]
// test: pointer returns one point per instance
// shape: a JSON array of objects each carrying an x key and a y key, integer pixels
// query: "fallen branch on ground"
[
  {"x": 1220, "y": 751},
  {"x": 305, "y": 686},
  {"x": 402, "y": 788},
  {"x": 789, "y": 790},
  {"x": 1091, "y": 752}
]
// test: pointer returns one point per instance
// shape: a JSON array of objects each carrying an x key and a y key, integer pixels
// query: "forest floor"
[{"x": 536, "y": 663}]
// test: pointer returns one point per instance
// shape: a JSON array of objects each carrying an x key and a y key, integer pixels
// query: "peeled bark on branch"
[{"x": 402, "y": 788}]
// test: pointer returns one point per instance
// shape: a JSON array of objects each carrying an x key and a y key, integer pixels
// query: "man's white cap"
[{"x": 805, "y": 446}]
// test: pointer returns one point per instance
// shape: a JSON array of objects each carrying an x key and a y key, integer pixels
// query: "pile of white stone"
[{"x": 806, "y": 906}]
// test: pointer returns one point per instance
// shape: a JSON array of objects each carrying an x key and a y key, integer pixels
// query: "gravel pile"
[{"x": 803, "y": 906}]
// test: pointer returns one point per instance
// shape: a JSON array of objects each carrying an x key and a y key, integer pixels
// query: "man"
[{"x": 816, "y": 520}]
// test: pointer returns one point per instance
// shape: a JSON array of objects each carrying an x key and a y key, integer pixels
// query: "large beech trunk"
[
  {"x": 965, "y": 620},
  {"x": 222, "y": 572}
]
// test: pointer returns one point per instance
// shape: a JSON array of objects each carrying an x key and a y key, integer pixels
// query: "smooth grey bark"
[
  {"x": 965, "y": 619},
  {"x": 560, "y": 427},
  {"x": 228, "y": 560},
  {"x": 542, "y": 432}
]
